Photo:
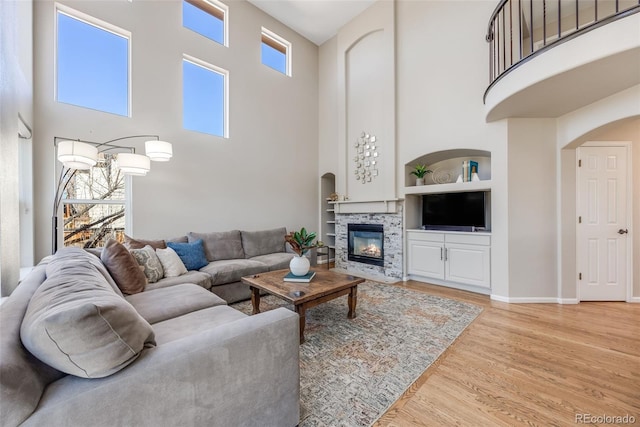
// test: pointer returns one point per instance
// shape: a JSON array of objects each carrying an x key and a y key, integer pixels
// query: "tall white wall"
[
  {"x": 264, "y": 175},
  {"x": 532, "y": 209},
  {"x": 16, "y": 97}
]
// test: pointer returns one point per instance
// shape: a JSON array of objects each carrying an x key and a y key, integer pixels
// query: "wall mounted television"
[{"x": 465, "y": 211}]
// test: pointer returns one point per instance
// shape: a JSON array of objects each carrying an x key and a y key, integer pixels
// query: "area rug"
[{"x": 352, "y": 371}]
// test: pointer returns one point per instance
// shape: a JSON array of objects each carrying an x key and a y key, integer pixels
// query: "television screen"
[{"x": 454, "y": 209}]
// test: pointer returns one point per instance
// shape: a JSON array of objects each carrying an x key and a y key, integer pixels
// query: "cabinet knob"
[{"x": 621, "y": 231}]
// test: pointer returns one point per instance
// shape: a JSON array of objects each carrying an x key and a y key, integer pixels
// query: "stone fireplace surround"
[{"x": 393, "y": 244}]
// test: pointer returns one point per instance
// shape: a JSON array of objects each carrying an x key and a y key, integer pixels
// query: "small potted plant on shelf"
[
  {"x": 420, "y": 171},
  {"x": 300, "y": 242}
]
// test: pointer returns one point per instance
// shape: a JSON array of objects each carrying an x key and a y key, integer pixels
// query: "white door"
[{"x": 603, "y": 229}]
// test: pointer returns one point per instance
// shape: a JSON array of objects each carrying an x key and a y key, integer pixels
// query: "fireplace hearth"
[{"x": 366, "y": 243}]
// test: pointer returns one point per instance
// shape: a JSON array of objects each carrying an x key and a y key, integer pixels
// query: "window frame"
[
  {"x": 280, "y": 44},
  {"x": 216, "y": 9},
  {"x": 100, "y": 24},
  {"x": 127, "y": 202},
  {"x": 215, "y": 69}
]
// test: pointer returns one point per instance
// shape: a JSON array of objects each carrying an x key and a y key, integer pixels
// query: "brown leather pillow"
[
  {"x": 123, "y": 267},
  {"x": 131, "y": 243}
]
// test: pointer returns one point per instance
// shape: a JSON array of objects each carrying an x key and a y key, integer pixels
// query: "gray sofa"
[
  {"x": 232, "y": 255},
  {"x": 76, "y": 352}
]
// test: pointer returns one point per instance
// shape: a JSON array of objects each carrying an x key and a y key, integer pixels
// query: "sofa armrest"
[{"x": 241, "y": 373}]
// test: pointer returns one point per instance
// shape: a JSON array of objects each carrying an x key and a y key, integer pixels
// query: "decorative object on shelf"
[
  {"x": 459, "y": 179},
  {"x": 475, "y": 177},
  {"x": 469, "y": 167},
  {"x": 300, "y": 242},
  {"x": 420, "y": 171},
  {"x": 366, "y": 158},
  {"x": 333, "y": 197},
  {"x": 444, "y": 176},
  {"x": 76, "y": 154}
]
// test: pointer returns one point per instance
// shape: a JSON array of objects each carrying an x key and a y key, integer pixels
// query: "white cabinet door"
[
  {"x": 426, "y": 259},
  {"x": 470, "y": 264}
]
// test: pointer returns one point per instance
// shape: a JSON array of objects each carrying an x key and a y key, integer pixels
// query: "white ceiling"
[{"x": 317, "y": 20}]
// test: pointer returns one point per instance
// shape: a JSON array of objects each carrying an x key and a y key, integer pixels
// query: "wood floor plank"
[{"x": 528, "y": 364}]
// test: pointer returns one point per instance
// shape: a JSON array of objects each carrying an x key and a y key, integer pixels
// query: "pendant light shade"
[
  {"x": 77, "y": 155},
  {"x": 133, "y": 164},
  {"x": 158, "y": 151}
]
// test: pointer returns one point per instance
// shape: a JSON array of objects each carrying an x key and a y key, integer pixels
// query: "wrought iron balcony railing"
[{"x": 521, "y": 29}]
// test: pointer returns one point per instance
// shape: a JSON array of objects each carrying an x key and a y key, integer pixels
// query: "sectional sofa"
[
  {"x": 230, "y": 256},
  {"x": 76, "y": 351}
]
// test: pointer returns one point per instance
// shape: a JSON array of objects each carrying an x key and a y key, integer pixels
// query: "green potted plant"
[
  {"x": 300, "y": 241},
  {"x": 420, "y": 171}
]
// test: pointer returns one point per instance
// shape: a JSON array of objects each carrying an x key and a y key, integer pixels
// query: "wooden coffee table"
[{"x": 325, "y": 286}]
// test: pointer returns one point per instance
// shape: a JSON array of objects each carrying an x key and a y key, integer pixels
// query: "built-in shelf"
[
  {"x": 331, "y": 222},
  {"x": 331, "y": 234},
  {"x": 453, "y": 187},
  {"x": 331, "y": 210}
]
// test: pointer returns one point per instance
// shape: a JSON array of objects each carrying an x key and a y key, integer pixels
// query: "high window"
[
  {"x": 94, "y": 205},
  {"x": 276, "y": 52},
  {"x": 206, "y": 17},
  {"x": 205, "y": 97},
  {"x": 92, "y": 63}
]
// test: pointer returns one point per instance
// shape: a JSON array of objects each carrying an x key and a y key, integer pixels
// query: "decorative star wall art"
[{"x": 366, "y": 158}]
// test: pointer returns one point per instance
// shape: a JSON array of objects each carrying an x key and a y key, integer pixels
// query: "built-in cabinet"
[
  {"x": 454, "y": 257},
  {"x": 450, "y": 258}
]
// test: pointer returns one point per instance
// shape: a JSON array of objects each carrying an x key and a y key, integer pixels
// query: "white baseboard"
[
  {"x": 635, "y": 299},
  {"x": 568, "y": 301},
  {"x": 527, "y": 300}
]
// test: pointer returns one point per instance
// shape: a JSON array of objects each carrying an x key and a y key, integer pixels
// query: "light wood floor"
[{"x": 529, "y": 364}]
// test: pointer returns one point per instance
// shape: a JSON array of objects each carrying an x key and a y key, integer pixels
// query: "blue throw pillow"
[{"x": 191, "y": 254}]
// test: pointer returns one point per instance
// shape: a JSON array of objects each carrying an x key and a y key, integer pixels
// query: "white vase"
[
  {"x": 419, "y": 181},
  {"x": 299, "y": 265}
]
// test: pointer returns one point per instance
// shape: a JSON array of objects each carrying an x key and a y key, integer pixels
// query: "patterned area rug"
[{"x": 352, "y": 371}]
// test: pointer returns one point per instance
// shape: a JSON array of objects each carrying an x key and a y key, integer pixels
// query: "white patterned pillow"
[
  {"x": 171, "y": 262},
  {"x": 150, "y": 263}
]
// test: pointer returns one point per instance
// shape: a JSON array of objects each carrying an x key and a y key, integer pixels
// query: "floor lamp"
[{"x": 77, "y": 154}]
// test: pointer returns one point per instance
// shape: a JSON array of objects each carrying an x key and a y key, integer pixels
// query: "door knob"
[{"x": 621, "y": 231}]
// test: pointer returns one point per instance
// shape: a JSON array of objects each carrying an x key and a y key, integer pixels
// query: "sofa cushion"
[
  {"x": 277, "y": 261},
  {"x": 263, "y": 242},
  {"x": 195, "y": 323},
  {"x": 77, "y": 324},
  {"x": 199, "y": 278},
  {"x": 150, "y": 263},
  {"x": 131, "y": 243},
  {"x": 171, "y": 263},
  {"x": 166, "y": 303},
  {"x": 191, "y": 254},
  {"x": 220, "y": 245},
  {"x": 231, "y": 270},
  {"x": 123, "y": 267},
  {"x": 23, "y": 378}
]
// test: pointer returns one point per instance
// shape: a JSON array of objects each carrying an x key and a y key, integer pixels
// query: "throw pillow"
[
  {"x": 171, "y": 263},
  {"x": 150, "y": 263},
  {"x": 123, "y": 267},
  {"x": 76, "y": 323},
  {"x": 131, "y": 243},
  {"x": 191, "y": 254}
]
